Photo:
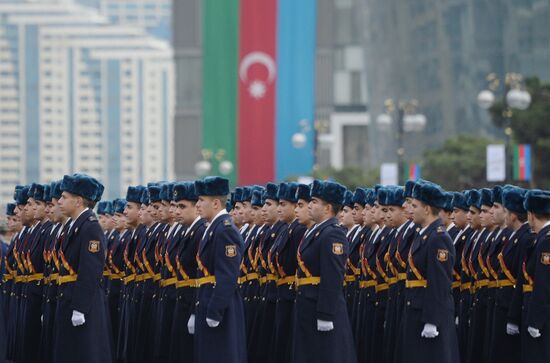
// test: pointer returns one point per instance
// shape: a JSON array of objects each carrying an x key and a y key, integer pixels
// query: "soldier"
[
  {"x": 505, "y": 347},
  {"x": 219, "y": 315},
  {"x": 322, "y": 332},
  {"x": 82, "y": 328},
  {"x": 345, "y": 216},
  {"x": 283, "y": 257},
  {"x": 535, "y": 281},
  {"x": 185, "y": 265},
  {"x": 446, "y": 216},
  {"x": 428, "y": 330}
]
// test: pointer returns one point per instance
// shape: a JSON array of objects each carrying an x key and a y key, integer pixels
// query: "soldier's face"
[
  {"x": 256, "y": 215},
  {"x": 498, "y": 214},
  {"x": 357, "y": 214},
  {"x": 347, "y": 217},
  {"x": 144, "y": 215},
  {"x": 155, "y": 210},
  {"x": 39, "y": 210},
  {"x": 317, "y": 210},
  {"x": 459, "y": 217},
  {"x": 270, "y": 211},
  {"x": 246, "y": 211},
  {"x": 473, "y": 218},
  {"x": 14, "y": 223},
  {"x": 132, "y": 213},
  {"x": 120, "y": 221},
  {"x": 367, "y": 216},
  {"x": 186, "y": 212},
  {"x": 205, "y": 207},
  {"x": 301, "y": 212},
  {"x": 395, "y": 216},
  {"x": 485, "y": 218},
  {"x": 69, "y": 203},
  {"x": 237, "y": 214},
  {"x": 285, "y": 211},
  {"x": 420, "y": 212},
  {"x": 103, "y": 221}
]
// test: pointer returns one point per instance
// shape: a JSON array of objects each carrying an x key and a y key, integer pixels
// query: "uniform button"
[{"x": 408, "y": 303}]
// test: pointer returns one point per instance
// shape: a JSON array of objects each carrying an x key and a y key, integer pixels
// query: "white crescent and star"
[{"x": 257, "y": 87}]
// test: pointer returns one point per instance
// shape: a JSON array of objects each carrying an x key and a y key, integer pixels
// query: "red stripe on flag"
[
  {"x": 257, "y": 80},
  {"x": 521, "y": 161}
]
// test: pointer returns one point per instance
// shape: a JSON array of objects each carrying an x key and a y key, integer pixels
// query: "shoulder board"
[
  {"x": 92, "y": 218},
  {"x": 227, "y": 222},
  {"x": 440, "y": 229},
  {"x": 548, "y": 233}
]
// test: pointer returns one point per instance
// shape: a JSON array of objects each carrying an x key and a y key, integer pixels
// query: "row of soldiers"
[{"x": 179, "y": 272}]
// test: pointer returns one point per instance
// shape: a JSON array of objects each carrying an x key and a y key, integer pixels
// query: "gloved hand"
[
  {"x": 212, "y": 323},
  {"x": 323, "y": 325},
  {"x": 78, "y": 318},
  {"x": 512, "y": 329},
  {"x": 191, "y": 324},
  {"x": 430, "y": 331},
  {"x": 535, "y": 333}
]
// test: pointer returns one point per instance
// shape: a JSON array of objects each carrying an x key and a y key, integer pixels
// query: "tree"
[
  {"x": 531, "y": 126},
  {"x": 459, "y": 164},
  {"x": 351, "y": 177}
]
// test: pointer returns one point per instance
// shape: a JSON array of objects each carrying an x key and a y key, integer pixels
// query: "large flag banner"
[
  {"x": 522, "y": 162},
  {"x": 258, "y": 72}
]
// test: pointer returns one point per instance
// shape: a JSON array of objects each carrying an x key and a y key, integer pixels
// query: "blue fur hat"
[
  {"x": 55, "y": 188},
  {"x": 459, "y": 201},
  {"x": 270, "y": 192},
  {"x": 287, "y": 191},
  {"x": 229, "y": 205},
  {"x": 513, "y": 198},
  {"x": 83, "y": 185},
  {"x": 537, "y": 201},
  {"x": 431, "y": 194},
  {"x": 22, "y": 195},
  {"x": 145, "y": 196},
  {"x": 119, "y": 205},
  {"x": 328, "y": 191},
  {"x": 371, "y": 197},
  {"x": 360, "y": 196},
  {"x": 105, "y": 207},
  {"x": 10, "y": 209},
  {"x": 185, "y": 191},
  {"x": 382, "y": 195},
  {"x": 256, "y": 200},
  {"x": 154, "y": 192},
  {"x": 408, "y": 190},
  {"x": 170, "y": 191},
  {"x": 348, "y": 199},
  {"x": 247, "y": 194},
  {"x": 486, "y": 197},
  {"x": 213, "y": 186},
  {"x": 237, "y": 195},
  {"x": 497, "y": 194},
  {"x": 134, "y": 194},
  {"x": 47, "y": 193},
  {"x": 303, "y": 192},
  {"x": 36, "y": 192},
  {"x": 448, "y": 207},
  {"x": 18, "y": 187},
  {"x": 396, "y": 196},
  {"x": 473, "y": 197}
]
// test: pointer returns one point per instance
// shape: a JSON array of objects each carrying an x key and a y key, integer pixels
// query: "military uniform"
[{"x": 82, "y": 253}]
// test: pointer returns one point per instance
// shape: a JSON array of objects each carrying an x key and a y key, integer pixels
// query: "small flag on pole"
[
  {"x": 522, "y": 162},
  {"x": 413, "y": 172}
]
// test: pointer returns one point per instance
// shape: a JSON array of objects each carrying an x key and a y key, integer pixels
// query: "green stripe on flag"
[
  {"x": 516, "y": 162},
  {"x": 219, "y": 94}
]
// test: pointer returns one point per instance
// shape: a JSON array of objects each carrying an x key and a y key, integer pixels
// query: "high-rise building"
[
  {"x": 80, "y": 95},
  {"x": 152, "y": 15},
  {"x": 440, "y": 54}
]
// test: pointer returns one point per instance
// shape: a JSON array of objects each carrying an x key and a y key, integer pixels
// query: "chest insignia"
[
  {"x": 231, "y": 251},
  {"x": 93, "y": 246},
  {"x": 442, "y": 255},
  {"x": 338, "y": 248},
  {"x": 545, "y": 258}
]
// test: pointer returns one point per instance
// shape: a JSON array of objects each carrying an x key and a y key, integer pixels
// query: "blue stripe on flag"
[
  {"x": 527, "y": 156},
  {"x": 296, "y": 27}
]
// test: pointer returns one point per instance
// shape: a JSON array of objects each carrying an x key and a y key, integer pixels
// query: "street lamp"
[
  {"x": 204, "y": 167},
  {"x": 515, "y": 97},
  {"x": 407, "y": 121},
  {"x": 299, "y": 139}
]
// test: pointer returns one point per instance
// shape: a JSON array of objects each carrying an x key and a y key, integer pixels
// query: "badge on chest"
[
  {"x": 442, "y": 255},
  {"x": 338, "y": 248},
  {"x": 231, "y": 251},
  {"x": 93, "y": 246},
  {"x": 545, "y": 258}
]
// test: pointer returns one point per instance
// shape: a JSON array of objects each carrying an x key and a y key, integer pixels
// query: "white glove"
[
  {"x": 512, "y": 329},
  {"x": 323, "y": 325},
  {"x": 535, "y": 333},
  {"x": 212, "y": 323},
  {"x": 191, "y": 324},
  {"x": 456, "y": 321},
  {"x": 430, "y": 331},
  {"x": 77, "y": 318}
]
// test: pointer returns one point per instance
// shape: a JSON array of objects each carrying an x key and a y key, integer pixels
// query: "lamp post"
[
  {"x": 514, "y": 97},
  {"x": 204, "y": 167},
  {"x": 407, "y": 120}
]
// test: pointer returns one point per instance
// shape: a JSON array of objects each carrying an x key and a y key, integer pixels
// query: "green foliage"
[
  {"x": 531, "y": 126},
  {"x": 459, "y": 164},
  {"x": 351, "y": 177}
]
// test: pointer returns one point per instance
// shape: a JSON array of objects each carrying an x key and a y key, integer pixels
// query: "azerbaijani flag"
[
  {"x": 258, "y": 83},
  {"x": 522, "y": 162},
  {"x": 413, "y": 172}
]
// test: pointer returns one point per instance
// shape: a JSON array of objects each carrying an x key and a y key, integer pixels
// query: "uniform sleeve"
[
  {"x": 333, "y": 254},
  {"x": 228, "y": 251},
  {"x": 514, "y": 311},
  {"x": 440, "y": 262},
  {"x": 539, "y": 308},
  {"x": 90, "y": 267}
]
